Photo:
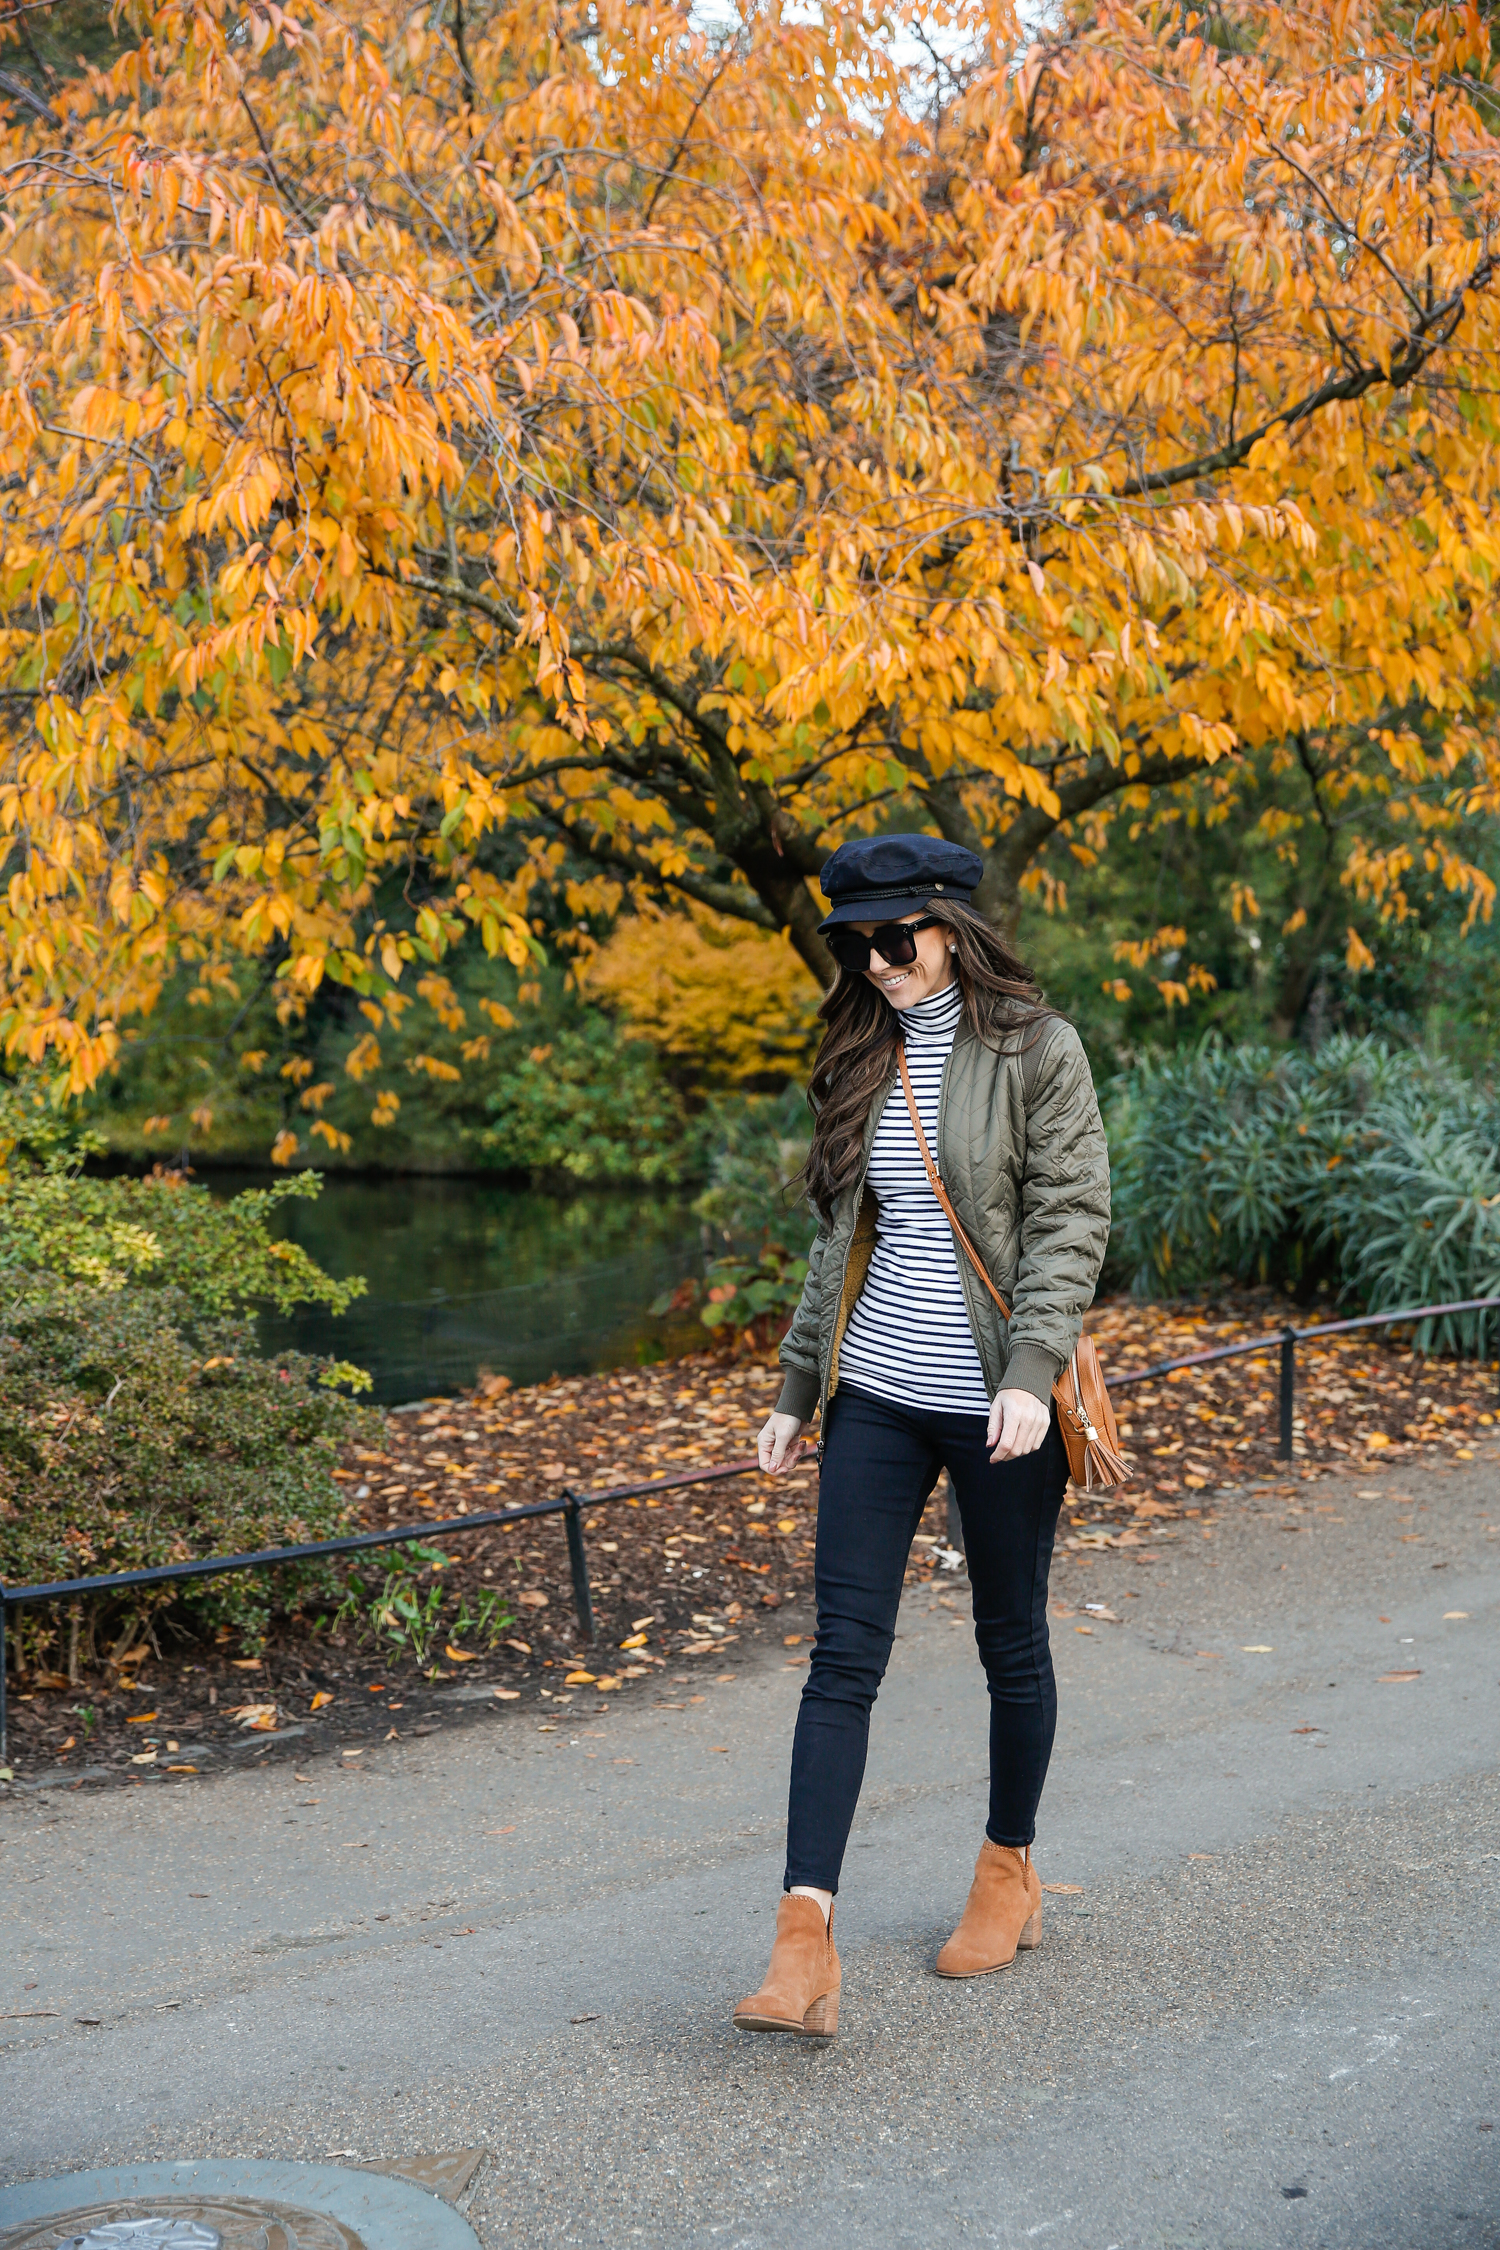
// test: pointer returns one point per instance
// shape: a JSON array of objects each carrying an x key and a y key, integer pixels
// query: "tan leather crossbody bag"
[{"x": 1084, "y": 1414}]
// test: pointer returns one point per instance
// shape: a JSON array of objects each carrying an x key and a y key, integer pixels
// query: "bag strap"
[{"x": 937, "y": 1186}]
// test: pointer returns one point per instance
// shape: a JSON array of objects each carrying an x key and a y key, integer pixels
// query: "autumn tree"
[{"x": 453, "y": 453}]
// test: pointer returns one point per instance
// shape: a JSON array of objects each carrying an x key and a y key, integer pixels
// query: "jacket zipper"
[
  {"x": 966, "y": 1281},
  {"x": 848, "y": 1253}
]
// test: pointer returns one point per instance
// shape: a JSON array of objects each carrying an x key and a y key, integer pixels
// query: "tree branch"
[
  {"x": 1429, "y": 333},
  {"x": 723, "y": 898}
]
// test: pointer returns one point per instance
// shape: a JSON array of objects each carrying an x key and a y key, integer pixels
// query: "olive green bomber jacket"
[{"x": 1021, "y": 1151}]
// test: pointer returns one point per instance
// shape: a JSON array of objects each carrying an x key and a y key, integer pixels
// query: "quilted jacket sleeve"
[
  {"x": 802, "y": 1386},
  {"x": 1064, "y": 1213}
]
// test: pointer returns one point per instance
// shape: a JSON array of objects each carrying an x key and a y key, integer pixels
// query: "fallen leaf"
[
  {"x": 720, "y": 1749},
  {"x": 1257, "y": 1648},
  {"x": 1212, "y": 1654},
  {"x": 144, "y": 1719},
  {"x": 637, "y": 1623},
  {"x": 356, "y": 1847},
  {"x": 636, "y": 1640},
  {"x": 1447, "y": 1613},
  {"x": 144, "y": 1758},
  {"x": 500, "y": 1831},
  {"x": 579, "y": 1679},
  {"x": 1084, "y": 1629},
  {"x": 1068, "y": 1890},
  {"x": 459, "y": 1655},
  {"x": 607, "y": 1684},
  {"x": 261, "y": 1717},
  {"x": 245, "y": 1663},
  {"x": 523, "y": 1646},
  {"x": 532, "y": 1598},
  {"x": 785, "y": 1524},
  {"x": 1200, "y": 1855},
  {"x": 1307, "y": 1730},
  {"x": 1386, "y": 1678},
  {"x": 321, "y": 1700},
  {"x": 583, "y": 2019},
  {"x": 1102, "y": 1611},
  {"x": 506, "y": 1694},
  {"x": 182, "y": 1769},
  {"x": 792, "y": 1640}
]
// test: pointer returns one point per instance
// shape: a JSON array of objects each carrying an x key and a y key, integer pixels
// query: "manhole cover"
[
  {"x": 191, "y": 2222},
  {"x": 166, "y": 2234},
  {"x": 229, "y": 2204}
]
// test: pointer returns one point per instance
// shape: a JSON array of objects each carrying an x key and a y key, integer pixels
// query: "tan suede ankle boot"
[
  {"x": 1004, "y": 1914},
  {"x": 801, "y": 1990}
]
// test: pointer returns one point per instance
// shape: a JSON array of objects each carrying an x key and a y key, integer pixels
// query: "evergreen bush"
[{"x": 1371, "y": 1167}]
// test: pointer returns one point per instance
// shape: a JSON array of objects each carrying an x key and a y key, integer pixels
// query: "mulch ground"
[{"x": 689, "y": 1579}]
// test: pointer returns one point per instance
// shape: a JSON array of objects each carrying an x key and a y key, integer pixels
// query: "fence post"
[
  {"x": 1288, "y": 1388},
  {"x": 578, "y": 1564}
]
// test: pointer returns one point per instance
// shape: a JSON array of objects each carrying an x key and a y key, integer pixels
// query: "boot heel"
[
  {"x": 822, "y": 2018},
  {"x": 1031, "y": 1934}
]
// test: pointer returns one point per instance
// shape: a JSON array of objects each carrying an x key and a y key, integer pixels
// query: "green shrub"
[
  {"x": 138, "y": 1424},
  {"x": 1374, "y": 1168},
  {"x": 754, "y": 1204},
  {"x": 590, "y": 1105}
]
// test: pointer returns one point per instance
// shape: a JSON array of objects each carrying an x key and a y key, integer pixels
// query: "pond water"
[{"x": 467, "y": 1276}]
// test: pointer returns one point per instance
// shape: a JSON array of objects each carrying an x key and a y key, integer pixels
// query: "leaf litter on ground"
[{"x": 690, "y": 1572}]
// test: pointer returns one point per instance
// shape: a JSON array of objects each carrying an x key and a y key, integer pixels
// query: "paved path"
[{"x": 1268, "y": 2017}]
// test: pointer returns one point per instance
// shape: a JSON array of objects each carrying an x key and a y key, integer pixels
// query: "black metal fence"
[
  {"x": 1286, "y": 1340},
  {"x": 566, "y": 1503},
  {"x": 571, "y": 1505}
]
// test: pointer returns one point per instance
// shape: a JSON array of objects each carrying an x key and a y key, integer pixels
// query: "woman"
[{"x": 900, "y": 1347}]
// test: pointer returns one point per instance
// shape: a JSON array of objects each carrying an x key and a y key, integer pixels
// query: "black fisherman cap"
[{"x": 878, "y": 878}]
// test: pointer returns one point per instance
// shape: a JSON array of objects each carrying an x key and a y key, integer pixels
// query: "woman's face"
[{"x": 916, "y": 980}]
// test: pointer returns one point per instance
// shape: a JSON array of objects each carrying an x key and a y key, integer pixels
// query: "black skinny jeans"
[{"x": 880, "y": 1463}]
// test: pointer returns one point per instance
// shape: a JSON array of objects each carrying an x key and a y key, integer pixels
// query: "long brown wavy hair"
[{"x": 1001, "y": 1004}]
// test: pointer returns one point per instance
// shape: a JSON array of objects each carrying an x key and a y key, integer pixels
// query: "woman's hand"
[
  {"x": 1018, "y": 1424},
  {"x": 780, "y": 1443}
]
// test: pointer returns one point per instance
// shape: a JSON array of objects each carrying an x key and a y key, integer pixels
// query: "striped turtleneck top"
[{"x": 908, "y": 1338}]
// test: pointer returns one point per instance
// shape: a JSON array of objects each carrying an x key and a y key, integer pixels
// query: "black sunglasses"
[{"x": 895, "y": 942}]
